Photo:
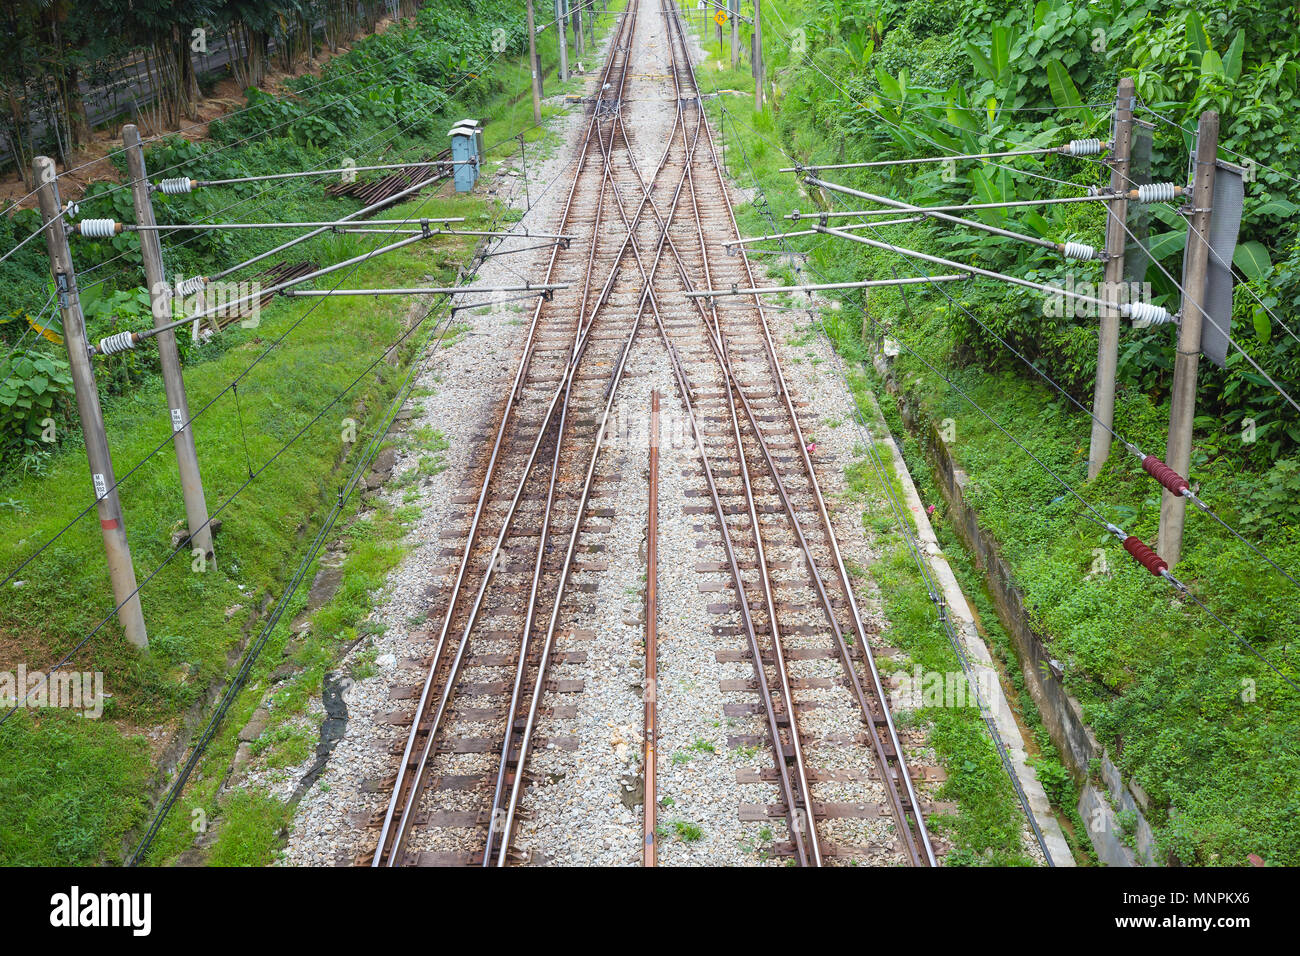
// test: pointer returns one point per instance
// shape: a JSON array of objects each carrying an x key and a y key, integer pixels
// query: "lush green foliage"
[
  {"x": 1004, "y": 76},
  {"x": 312, "y": 356}
]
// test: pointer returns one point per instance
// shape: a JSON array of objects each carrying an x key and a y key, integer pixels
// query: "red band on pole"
[
  {"x": 1145, "y": 556},
  {"x": 1162, "y": 473},
  {"x": 108, "y": 524}
]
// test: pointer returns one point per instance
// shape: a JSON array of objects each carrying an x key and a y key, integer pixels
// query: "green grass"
[
  {"x": 1201, "y": 724},
  {"x": 252, "y": 824},
  {"x": 684, "y": 830},
  {"x": 986, "y": 829},
  {"x": 47, "y": 811}
]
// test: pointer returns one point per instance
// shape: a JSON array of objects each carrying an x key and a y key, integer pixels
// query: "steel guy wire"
[
  {"x": 384, "y": 78},
  {"x": 296, "y": 190},
  {"x": 1070, "y": 490},
  {"x": 193, "y": 416},
  {"x": 166, "y": 441},
  {"x": 1128, "y": 444},
  {"x": 1243, "y": 281},
  {"x": 1191, "y": 132},
  {"x": 1012, "y": 169},
  {"x": 1186, "y": 298}
]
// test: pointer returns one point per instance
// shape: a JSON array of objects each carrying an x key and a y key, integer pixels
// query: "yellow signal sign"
[{"x": 720, "y": 18}]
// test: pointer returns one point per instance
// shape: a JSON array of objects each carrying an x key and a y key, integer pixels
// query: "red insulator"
[
  {"x": 1162, "y": 473},
  {"x": 1145, "y": 556}
]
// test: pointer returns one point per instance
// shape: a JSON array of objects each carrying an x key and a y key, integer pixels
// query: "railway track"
[{"x": 647, "y": 236}]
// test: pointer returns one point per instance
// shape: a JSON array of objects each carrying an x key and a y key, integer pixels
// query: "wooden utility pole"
[
  {"x": 1103, "y": 400},
  {"x": 532, "y": 62},
  {"x": 562, "y": 37},
  {"x": 1182, "y": 403},
  {"x": 169, "y": 358},
  {"x": 120, "y": 570},
  {"x": 758, "y": 56}
]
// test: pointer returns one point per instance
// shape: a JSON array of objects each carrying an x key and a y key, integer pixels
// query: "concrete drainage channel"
[
  {"x": 1099, "y": 805},
  {"x": 984, "y": 673}
]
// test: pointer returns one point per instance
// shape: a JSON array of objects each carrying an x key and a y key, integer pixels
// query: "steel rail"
[
  {"x": 647, "y": 297},
  {"x": 909, "y": 836},
  {"x": 407, "y": 793},
  {"x": 797, "y": 830},
  {"x": 812, "y": 843},
  {"x": 503, "y": 832},
  {"x": 650, "y": 690},
  {"x": 806, "y": 843}
]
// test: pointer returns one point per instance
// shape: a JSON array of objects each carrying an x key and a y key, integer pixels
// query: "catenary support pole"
[
  {"x": 1103, "y": 400},
  {"x": 734, "y": 10},
  {"x": 562, "y": 37},
  {"x": 169, "y": 357},
  {"x": 579, "y": 41},
  {"x": 758, "y": 56},
  {"x": 120, "y": 570},
  {"x": 532, "y": 61},
  {"x": 1182, "y": 403}
]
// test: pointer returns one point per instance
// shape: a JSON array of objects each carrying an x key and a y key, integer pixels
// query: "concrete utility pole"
[
  {"x": 120, "y": 570},
  {"x": 1182, "y": 404},
  {"x": 532, "y": 62},
  {"x": 579, "y": 42},
  {"x": 733, "y": 7},
  {"x": 758, "y": 56},
  {"x": 169, "y": 358},
  {"x": 1103, "y": 399},
  {"x": 562, "y": 35}
]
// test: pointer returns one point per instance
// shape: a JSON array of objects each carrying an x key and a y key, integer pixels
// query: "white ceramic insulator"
[
  {"x": 1083, "y": 147},
  {"x": 1145, "y": 315},
  {"x": 97, "y": 228},
  {"x": 1079, "y": 250},
  {"x": 1156, "y": 192},
  {"x": 113, "y": 344},
  {"x": 188, "y": 287},
  {"x": 176, "y": 186}
]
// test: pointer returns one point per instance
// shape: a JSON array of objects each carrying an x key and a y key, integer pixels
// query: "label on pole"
[
  {"x": 101, "y": 485},
  {"x": 178, "y": 420}
]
